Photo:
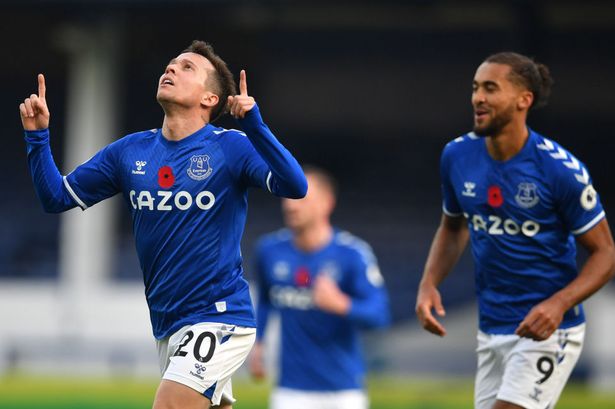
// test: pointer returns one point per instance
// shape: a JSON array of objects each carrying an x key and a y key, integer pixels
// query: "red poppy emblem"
[
  {"x": 494, "y": 196},
  {"x": 165, "y": 177},
  {"x": 302, "y": 277}
]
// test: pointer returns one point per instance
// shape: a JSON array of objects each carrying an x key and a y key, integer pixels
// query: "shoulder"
[
  {"x": 229, "y": 135},
  {"x": 462, "y": 144},
  {"x": 558, "y": 161},
  {"x": 136, "y": 138},
  {"x": 353, "y": 246},
  {"x": 273, "y": 240}
]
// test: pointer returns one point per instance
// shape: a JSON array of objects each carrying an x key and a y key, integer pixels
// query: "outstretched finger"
[
  {"x": 243, "y": 84},
  {"x": 42, "y": 89}
]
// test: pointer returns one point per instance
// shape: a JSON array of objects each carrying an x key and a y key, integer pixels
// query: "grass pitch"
[{"x": 21, "y": 392}]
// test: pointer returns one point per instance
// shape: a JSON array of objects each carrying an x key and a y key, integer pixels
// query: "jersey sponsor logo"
[
  {"x": 140, "y": 164},
  {"x": 497, "y": 226},
  {"x": 291, "y": 297},
  {"x": 494, "y": 196},
  {"x": 589, "y": 198},
  {"x": 527, "y": 195},
  {"x": 469, "y": 189},
  {"x": 166, "y": 200},
  {"x": 166, "y": 178},
  {"x": 199, "y": 168}
]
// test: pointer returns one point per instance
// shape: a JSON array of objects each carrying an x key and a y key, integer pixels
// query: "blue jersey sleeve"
[
  {"x": 48, "y": 182},
  {"x": 269, "y": 164},
  {"x": 96, "y": 179},
  {"x": 370, "y": 304},
  {"x": 263, "y": 306},
  {"x": 577, "y": 201},
  {"x": 88, "y": 184},
  {"x": 450, "y": 204}
]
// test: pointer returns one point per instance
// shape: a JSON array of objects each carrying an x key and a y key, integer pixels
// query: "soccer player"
[
  {"x": 326, "y": 285},
  {"x": 522, "y": 200},
  {"x": 186, "y": 187}
]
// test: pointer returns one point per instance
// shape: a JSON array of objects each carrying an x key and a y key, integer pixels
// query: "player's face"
[
  {"x": 495, "y": 99},
  {"x": 314, "y": 208},
  {"x": 184, "y": 81}
]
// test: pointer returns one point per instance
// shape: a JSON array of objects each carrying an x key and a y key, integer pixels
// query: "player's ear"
[
  {"x": 524, "y": 102},
  {"x": 209, "y": 99}
]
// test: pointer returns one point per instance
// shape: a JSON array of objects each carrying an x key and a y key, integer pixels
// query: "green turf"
[{"x": 21, "y": 392}]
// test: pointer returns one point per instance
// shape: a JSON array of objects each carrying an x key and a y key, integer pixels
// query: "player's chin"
[{"x": 481, "y": 129}]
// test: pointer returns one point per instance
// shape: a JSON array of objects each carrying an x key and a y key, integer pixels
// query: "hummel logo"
[
  {"x": 199, "y": 370},
  {"x": 140, "y": 164},
  {"x": 536, "y": 394},
  {"x": 469, "y": 189}
]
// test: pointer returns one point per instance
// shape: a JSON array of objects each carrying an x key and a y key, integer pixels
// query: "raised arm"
[
  {"x": 47, "y": 179},
  {"x": 447, "y": 246},
  {"x": 286, "y": 178}
]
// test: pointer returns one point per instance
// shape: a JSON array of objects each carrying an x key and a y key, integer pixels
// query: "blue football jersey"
[
  {"x": 522, "y": 215},
  {"x": 188, "y": 201},
  {"x": 320, "y": 351}
]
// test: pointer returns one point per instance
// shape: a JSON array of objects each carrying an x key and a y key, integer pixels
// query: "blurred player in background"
[
  {"x": 326, "y": 285},
  {"x": 186, "y": 186},
  {"x": 522, "y": 200}
]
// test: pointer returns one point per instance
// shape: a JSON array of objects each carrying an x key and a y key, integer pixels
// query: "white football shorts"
[
  {"x": 285, "y": 398},
  {"x": 204, "y": 356},
  {"x": 528, "y": 373}
]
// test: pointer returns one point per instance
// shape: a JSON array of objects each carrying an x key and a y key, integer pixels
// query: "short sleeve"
[
  {"x": 577, "y": 200},
  {"x": 450, "y": 204},
  {"x": 96, "y": 179}
]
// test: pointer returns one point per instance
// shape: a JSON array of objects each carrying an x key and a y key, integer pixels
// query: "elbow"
[
  {"x": 300, "y": 189},
  {"x": 297, "y": 189}
]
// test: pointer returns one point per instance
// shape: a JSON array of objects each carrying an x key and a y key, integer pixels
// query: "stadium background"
[{"x": 369, "y": 90}]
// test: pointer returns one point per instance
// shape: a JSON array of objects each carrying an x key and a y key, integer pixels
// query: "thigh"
[
  {"x": 536, "y": 372},
  {"x": 204, "y": 356},
  {"x": 173, "y": 395}
]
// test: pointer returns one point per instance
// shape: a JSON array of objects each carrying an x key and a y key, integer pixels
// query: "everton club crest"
[
  {"x": 199, "y": 168},
  {"x": 527, "y": 195}
]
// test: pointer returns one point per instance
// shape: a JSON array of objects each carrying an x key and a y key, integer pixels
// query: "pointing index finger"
[
  {"x": 243, "y": 84},
  {"x": 41, "y": 86}
]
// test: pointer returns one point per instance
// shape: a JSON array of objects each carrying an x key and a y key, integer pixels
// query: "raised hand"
[
  {"x": 242, "y": 103},
  {"x": 428, "y": 299},
  {"x": 33, "y": 111}
]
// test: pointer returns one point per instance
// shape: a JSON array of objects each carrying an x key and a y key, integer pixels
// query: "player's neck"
[
  {"x": 314, "y": 237},
  {"x": 178, "y": 125},
  {"x": 508, "y": 142}
]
